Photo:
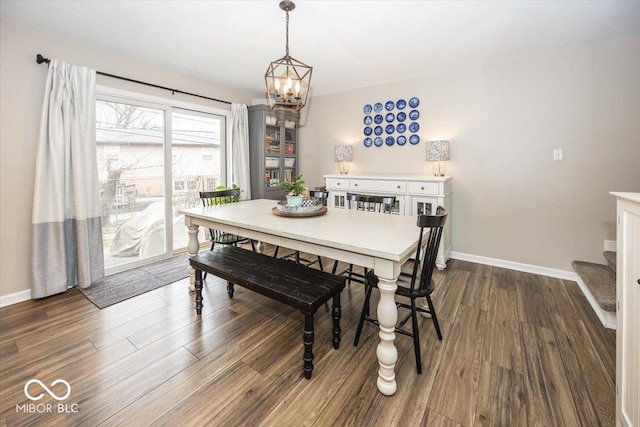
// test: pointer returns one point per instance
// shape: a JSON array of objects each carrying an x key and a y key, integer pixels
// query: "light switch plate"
[{"x": 558, "y": 154}]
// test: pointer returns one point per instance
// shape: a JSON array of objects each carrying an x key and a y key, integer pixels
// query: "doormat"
[{"x": 128, "y": 284}]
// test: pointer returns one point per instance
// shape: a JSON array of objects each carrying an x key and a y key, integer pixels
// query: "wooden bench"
[{"x": 300, "y": 287}]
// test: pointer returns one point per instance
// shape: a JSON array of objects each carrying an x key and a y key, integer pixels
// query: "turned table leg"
[
  {"x": 192, "y": 248},
  {"x": 386, "y": 351}
]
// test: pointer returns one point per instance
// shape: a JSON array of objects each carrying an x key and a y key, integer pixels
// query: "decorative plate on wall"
[{"x": 389, "y": 127}]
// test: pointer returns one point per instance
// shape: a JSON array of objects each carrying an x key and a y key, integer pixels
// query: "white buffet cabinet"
[{"x": 415, "y": 195}]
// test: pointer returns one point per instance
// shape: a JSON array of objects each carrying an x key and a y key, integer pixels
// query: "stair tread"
[{"x": 601, "y": 281}]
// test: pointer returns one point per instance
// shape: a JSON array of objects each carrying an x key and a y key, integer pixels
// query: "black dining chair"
[
  {"x": 321, "y": 197},
  {"x": 221, "y": 197},
  {"x": 364, "y": 202},
  {"x": 414, "y": 282}
]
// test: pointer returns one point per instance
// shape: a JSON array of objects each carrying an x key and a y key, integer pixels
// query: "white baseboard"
[
  {"x": 607, "y": 318},
  {"x": 15, "y": 298},
  {"x": 610, "y": 246}
]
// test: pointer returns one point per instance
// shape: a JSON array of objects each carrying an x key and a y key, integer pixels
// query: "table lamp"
[
  {"x": 438, "y": 151},
  {"x": 343, "y": 154}
]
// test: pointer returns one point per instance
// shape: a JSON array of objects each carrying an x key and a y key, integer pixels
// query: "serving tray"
[{"x": 321, "y": 211}]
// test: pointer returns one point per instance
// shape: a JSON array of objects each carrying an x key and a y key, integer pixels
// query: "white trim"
[
  {"x": 15, "y": 298},
  {"x": 607, "y": 318},
  {"x": 527, "y": 268},
  {"x": 610, "y": 246}
]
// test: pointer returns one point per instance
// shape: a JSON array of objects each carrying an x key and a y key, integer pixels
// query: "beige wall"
[
  {"x": 21, "y": 92},
  {"x": 511, "y": 201}
]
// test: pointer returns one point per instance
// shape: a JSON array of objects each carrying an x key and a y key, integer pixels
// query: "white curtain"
[
  {"x": 67, "y": 237},
  {"x": 240, "y": 149}
]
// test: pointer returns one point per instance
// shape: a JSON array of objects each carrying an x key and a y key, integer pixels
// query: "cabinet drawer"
[
  {"x": 338, "y": 183},
  {"x": 391, "y": 187},
  {"x": 416, "y": 187}
]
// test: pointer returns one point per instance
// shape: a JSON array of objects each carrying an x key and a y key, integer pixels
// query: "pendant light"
[{"x": 287, "y": 79}]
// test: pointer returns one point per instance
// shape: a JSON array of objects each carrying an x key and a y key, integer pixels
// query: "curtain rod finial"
[{"x": 40, "y": 59}]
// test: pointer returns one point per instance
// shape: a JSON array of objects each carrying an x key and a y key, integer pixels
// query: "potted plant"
[{"x": 294, "y": 190}]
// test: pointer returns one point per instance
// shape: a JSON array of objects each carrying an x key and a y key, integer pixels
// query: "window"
[{"x": 207, "y": 154}]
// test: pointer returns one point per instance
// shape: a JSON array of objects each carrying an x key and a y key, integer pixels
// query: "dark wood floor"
[{"x": 518, "y": 349}]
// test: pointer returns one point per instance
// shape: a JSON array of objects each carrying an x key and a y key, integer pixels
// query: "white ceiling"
[{"x": 350, "y": 44}]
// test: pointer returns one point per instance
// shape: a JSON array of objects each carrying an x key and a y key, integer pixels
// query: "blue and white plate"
[
  {"x": 401, "y": 140},
  {"x": 377, "y": 107},
  {"x": 367, "y": 109},
  {"x": 401, "y": 128},
  {"x": 389, "y": 129},
  {"x": 414, "y": 114},
  {"x": 367, "y": 120},
  {"x": 368, "y": 142},
  {"x": 367, "y": 131},
  {"x": 414, "y": 127},
  {"x": 400, "y": 104},
  {"x": 414, "y": 139},
  {"x": 390, "y": 141},
  {"x": 402, "y": 116},
  {"x": 378, "y": 130},
  {"x": 414, "y": 102},
  {"x": 377, "y": 142},
  {"x": 389, "y": 105},
  {"x": 378, "y": 119},
  {"x": 389, "y": 117}
]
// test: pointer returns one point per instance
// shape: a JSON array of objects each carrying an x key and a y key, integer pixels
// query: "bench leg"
[
  {"x": 307, "y": 339},
  {"x": 198, "y": 285},
  {"x": 337, "y": 313},
  {"x": 230, "y": 289}
]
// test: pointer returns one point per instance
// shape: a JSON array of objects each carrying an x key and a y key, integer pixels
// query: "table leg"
[
  {"x": 192, "y": 248},
  {"x": 386, "y": 351}
]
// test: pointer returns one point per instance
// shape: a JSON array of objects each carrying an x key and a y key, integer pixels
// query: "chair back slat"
[
  {"x": 219, "y": 197},
  {"x": 434, "y": 224},
  {"x": 366, "y": 202}
]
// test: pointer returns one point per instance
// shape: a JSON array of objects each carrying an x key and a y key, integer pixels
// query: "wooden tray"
[{"x": 319, "y": 212}]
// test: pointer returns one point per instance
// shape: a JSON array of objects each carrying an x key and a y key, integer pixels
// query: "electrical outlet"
[{"x": 558, "y": 154}]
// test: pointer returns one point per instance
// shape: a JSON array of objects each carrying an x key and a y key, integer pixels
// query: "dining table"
[{"x": 380, "y": 242}]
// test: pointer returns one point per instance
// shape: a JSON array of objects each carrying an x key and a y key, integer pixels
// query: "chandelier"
[{"x": 287, "y": 79}]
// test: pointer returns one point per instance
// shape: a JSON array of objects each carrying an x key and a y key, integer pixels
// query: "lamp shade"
[
  {"x": 343, "y": 153},
  {"x": 438, "y": 150}
]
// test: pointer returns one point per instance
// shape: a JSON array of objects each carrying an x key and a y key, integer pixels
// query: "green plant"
[{"x": 295, "y": 188}]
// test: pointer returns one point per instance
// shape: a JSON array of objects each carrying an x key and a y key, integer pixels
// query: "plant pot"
[{"x": 294, "y": 200}]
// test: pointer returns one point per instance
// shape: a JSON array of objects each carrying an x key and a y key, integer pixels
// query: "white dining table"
[{"x": 368, "y": 239}]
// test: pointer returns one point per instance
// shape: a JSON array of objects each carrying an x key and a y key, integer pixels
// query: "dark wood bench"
[{"x": 303, "y": 288}]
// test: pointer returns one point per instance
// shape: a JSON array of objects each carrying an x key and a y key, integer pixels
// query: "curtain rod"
[{"x": 41, "y": 59}]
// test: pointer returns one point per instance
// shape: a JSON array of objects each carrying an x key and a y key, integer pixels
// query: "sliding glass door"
[{"x": 152, "y": 161}]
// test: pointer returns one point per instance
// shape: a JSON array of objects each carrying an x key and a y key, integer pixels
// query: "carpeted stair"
[{"x": 600, "y": 280}]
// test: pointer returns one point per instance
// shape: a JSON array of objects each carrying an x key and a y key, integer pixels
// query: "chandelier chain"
[{"x": 287, "y": 35}]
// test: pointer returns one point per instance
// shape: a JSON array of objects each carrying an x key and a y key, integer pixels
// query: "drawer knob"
[
  {"x": 355, "y": 185},
  {"x": 422, "y": 188},
  {"x": 338, "y": 183},
  {"x": 398, "y": 186}
]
